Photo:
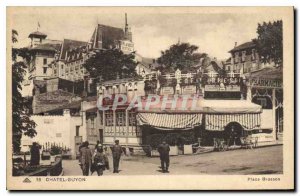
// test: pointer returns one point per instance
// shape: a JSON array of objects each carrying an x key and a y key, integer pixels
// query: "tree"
[
  {"x": 269, "y": 42},
  {"x": 111, "y": 64},
  {"x": 180, "y": 56},
  {"x": 21, "y": 123}
]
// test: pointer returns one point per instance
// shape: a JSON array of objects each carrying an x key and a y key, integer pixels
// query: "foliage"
[
  {"x": 269, "y": 42},
  {"x": 180, "y": 56},
  {"x": 55, "y": 150},
  {"x": 21, "y": 121},
  {"x": 111, "y": 64}
]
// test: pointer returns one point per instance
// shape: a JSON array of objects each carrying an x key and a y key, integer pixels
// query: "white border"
[{"x": 108, "y": 3}]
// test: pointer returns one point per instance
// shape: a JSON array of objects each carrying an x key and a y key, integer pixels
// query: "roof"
[
  {"x": 118, "y": 81},
  {"x": 243, "y": 46},
  {"x": 70, "y": 44},
  {"x": 213, "y": 66},
  {"x": 266, "y": 73},
  {"x": 48, "y": 47},
  {"x": 37, "y": 34},
  {"x": 105, "y": 36}
]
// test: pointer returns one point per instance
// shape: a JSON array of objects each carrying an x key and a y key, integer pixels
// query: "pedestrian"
[
  {"x": 86, "y": 158},
  {"x": 35, "y": 154},
  {"x": 164, "y": 150},
  {"x": 100, "y": 162},
  {"x": 98, "y": 145},
  {"x": 116, "y": 154}
]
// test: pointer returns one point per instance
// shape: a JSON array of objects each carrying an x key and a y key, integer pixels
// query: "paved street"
[{"x": 267, "y": 160}]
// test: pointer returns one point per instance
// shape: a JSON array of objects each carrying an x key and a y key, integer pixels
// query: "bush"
[{"x": 55, "y": 150}]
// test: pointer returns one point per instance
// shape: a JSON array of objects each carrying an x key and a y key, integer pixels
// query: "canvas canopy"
[
  {"x": 229, "y": 106},
  {"x": 218, "y": 122},
  {"x": 173, "y": 121}
]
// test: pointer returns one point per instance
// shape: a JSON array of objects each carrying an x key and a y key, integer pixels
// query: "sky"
[{"x": 215, "y": 33}]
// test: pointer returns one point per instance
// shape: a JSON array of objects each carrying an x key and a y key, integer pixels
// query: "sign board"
[
  {"x": 228, "y": 88},
  {"x": 191, "y": 89},
  {"x": 267, "y": 83},
  {"x": 127, "y": 46},
  {"x": 225, "y": 80},
  {"x": 167, "y": 90}
]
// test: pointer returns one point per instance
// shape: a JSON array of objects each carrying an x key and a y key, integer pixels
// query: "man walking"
[
  {"x": 101, "y": 162},
  {"x": 164, "y": 150},
  {"x": 35, "y": 154},
  {"x": 116, "y": 154},
  {"x": 86, "y": 158}
]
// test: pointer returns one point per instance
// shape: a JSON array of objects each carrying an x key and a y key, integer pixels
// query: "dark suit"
[
  {"x": 164, "y": 150},
  {"x": 116, "y": 154},
  {"x": 86, "y": 160},
  {"x": 35, "y": 155}
]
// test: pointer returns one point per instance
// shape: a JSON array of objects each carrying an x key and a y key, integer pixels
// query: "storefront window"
[
  {"x": 121, "y": 118},
  {"x": 109, "y": 118},
  {"x": 132, "y": 118},
  {"x": 264, "y": 101}
]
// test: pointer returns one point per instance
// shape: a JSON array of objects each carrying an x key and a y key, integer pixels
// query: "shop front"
[
  {"x": 265, "y": 88},
  {"x": 229, "y": 120}
]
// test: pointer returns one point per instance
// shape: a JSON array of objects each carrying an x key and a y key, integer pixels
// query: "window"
[
  {"x": 132, "y": 118},
  {"x": 243, "y": 56},
  {"x": 253, "y": 55},
  {"x": 228, "y": 68},
  {"x": 236, "y": 57},
  {"x": 45, "y": 61},
  {"x": 101, "y": 117},
  {"x": 44, "y": 70},
  {"x": 109, "y": 118},
  {"x": 92, "y": 122},
  {"x": 77, "y": 130},
  {"x": 62, "y": 66},
  {"x": 58, "y": 134},
  {"x": 120, "y": 118},
  {"x": 48, "y": 121},
  {"x": 264, "y": 101}
]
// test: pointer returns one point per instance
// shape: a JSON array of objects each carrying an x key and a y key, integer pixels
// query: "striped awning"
[
  {"x": 218, "y": 122},
  {"x": 169, "y": 121}
]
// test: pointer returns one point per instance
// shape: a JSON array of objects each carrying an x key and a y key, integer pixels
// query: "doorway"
[{"x": 101, "y": 136}]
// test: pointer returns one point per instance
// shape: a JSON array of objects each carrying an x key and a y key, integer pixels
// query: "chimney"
[{"x": 235, "y": 44}]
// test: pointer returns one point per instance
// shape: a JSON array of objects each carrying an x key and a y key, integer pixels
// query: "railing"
[{"x": 55, "y": 169}]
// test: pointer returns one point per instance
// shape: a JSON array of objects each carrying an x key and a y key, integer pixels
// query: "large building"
[{"x": 244, "y": 58}]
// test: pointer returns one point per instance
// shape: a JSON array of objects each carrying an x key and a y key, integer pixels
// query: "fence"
[{"x": 55, "y": 169}]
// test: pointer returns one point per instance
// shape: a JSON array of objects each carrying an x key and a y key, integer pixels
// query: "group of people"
[{"x": 98, "y": 161}]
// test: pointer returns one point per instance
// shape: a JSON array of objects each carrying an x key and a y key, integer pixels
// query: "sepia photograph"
[{"x": 145, "y": 97}]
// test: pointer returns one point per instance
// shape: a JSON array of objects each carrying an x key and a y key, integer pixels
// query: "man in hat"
[
  {"x": 35, "y": 154},
  {"x": 86, "y": 158},
  {"x": 164, "y": 150},
  {"x": 116, "y": 154}
]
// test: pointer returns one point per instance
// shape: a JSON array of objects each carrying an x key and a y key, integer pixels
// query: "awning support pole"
[{"x": 274, "y": 113}]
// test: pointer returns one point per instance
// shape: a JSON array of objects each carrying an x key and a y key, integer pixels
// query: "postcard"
[{"x": 150, "y": 98}]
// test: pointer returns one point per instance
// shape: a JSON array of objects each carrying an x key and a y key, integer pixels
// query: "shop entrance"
[{"x": 233, "y": 132}]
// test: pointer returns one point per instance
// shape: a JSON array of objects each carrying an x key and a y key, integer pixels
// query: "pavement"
[{"x": 267, "y": 160}]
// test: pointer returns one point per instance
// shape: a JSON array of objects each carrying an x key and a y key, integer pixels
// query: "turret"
[{"x": 37, "y": 38}]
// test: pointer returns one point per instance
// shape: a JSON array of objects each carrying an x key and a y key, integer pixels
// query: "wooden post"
[
  {"x": 114, "y": 120},
  {"x": 127, "y": 125},
  {"x": 274, "y": 113}
]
